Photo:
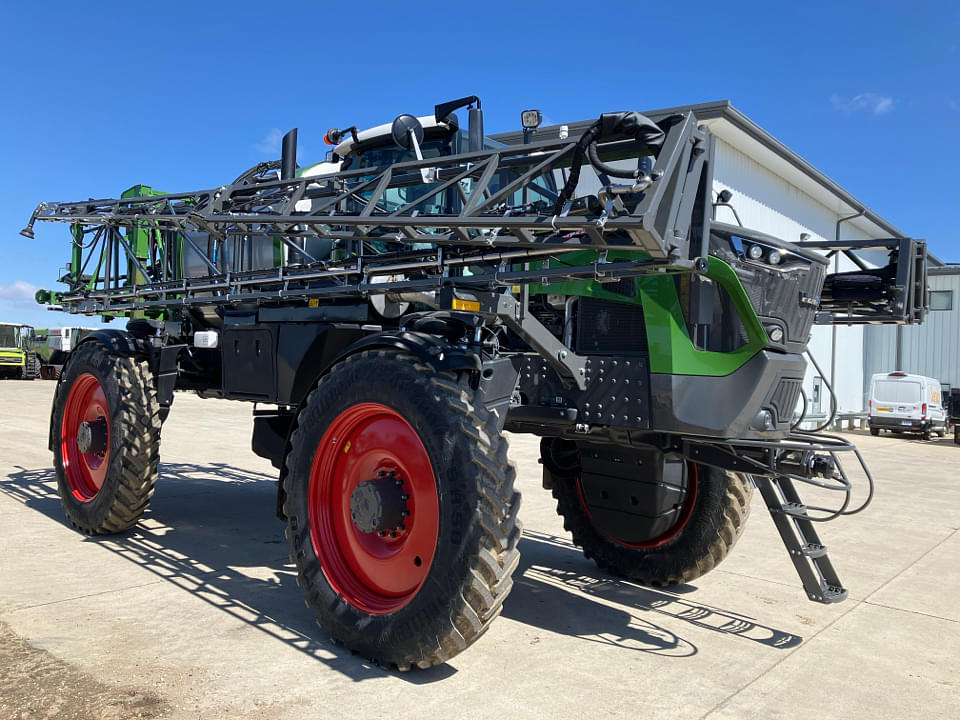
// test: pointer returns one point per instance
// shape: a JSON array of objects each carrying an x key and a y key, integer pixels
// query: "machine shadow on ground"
[{"x": 226, "y": 547}]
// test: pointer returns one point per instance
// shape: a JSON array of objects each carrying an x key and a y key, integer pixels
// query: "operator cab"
[
  {"x": 375, "y": 147},
  {"x": 387, "y": 144}
]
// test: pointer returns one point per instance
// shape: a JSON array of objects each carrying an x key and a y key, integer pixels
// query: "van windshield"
[{"x": 897, "y": 392}]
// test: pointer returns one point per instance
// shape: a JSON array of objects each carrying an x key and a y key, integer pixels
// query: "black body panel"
[{"x": 725, "y": 406}]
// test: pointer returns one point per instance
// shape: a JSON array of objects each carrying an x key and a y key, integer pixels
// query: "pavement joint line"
[
  {"x": 778, "y": 583},
  {"x": 723, "y": 703},
  {"x": 950, "y": 535},
  {"x": 911, "y": 612},
  {"x": 866, "y": 601},
  {"x": 83, "y": 597}
]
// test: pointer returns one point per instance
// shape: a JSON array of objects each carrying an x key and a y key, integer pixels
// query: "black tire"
[
  {"x": 448, "y": 602},
  {"x": 31, "y": 367},
  {"x": 874, "y": 431},
  {"x": 925, "y": 435},
  {"x": 127, "y": 467},
  {"x": 707, "y": 534}
]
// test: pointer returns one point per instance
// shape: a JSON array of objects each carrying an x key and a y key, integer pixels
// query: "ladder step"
[
  {"x": 813, "y": 550},
  {"x": 829, "y": 594},
  {"x": 796, "y": 528},
  {"x": 793, "y": 509}
]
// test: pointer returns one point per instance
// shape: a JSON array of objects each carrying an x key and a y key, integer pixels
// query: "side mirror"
[{"x": 407, "y": 132}]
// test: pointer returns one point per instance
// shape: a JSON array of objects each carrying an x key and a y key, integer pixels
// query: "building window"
[{"x": 941, "y": 299}]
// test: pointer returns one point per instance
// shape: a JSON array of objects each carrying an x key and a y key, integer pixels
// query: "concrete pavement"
[{"x": 196, "y": 613}]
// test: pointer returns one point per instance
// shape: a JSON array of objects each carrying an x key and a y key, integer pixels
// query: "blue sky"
[{"x": 184, "y": 95}]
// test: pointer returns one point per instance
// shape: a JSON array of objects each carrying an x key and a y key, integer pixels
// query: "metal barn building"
[
  {"x": 778, "y": 192},
  {"x": 931, "y": 349}
]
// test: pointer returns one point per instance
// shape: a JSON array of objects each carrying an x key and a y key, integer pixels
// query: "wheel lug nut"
[
  {"x": 404, "y": 513},
  {"x": 404, "y": 497}
]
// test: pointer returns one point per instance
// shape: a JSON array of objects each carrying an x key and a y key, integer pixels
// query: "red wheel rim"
[
  {"x": 85, "y": 437},
  {"x": 689, "y": 501},
  {"x": 376, "y": 572}
]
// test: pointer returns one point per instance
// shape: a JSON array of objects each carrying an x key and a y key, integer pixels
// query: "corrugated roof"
[{"x": 723, "y": 117}]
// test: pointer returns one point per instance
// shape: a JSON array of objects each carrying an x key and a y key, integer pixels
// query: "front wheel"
[
  {"x": 106, "y": 439},
  {"x": 664, "y": 522},
  {"x": 401, "y": 511},
  {"x": 874, "y": 431}
]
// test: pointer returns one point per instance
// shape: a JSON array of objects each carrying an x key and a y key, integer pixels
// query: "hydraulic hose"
[{"x": 608, "y": 128}]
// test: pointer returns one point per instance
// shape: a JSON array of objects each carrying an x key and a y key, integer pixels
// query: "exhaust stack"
[{"x": 288, "y": 155}]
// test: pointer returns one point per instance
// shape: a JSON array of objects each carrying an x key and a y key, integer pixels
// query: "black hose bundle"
[{"x": 608, "y": 128}]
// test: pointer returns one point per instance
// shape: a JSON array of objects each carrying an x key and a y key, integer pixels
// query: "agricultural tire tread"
[
  {"x": 720, "y": 512},
  {"x": 134, "y": 452},
  {"x": 478, "y": 530}
]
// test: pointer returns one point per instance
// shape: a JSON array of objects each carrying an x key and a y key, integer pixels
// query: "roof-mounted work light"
[{"x": 531, "y": 119}]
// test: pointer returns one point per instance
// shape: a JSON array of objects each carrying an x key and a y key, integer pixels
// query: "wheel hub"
[
  {"x": 92, "y": 436},
  {"x": 379, "y": 505}
]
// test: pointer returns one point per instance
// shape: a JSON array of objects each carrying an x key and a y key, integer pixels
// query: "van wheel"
[
  {"x": 926, "y": 435},
  {"x": 874, "y": 431}
]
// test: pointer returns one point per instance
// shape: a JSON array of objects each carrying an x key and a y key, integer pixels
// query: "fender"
[
  {"x": 437, "y": 352},
  {"x": 116, "y": 341},
  {"x": 162, "y": 361},
  {"x": 119, "y": 342}
]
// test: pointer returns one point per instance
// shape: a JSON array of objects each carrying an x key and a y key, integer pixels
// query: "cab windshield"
[
  {"x": 543, "y": 191},
  {"x": 9, "y": 336}
]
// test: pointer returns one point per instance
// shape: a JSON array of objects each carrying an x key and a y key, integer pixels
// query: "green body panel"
[
  {"x": 138, "y": 236},
  {"x": 587, "y": 288},
  {"x": 671, "y": 349},
  {"x": 76, "y": 254},
  {"x": 12, "y": 354}
]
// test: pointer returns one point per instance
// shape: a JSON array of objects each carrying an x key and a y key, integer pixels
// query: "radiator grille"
[
  {"x": 606, "y": 327},
  {"x": 784, "y": 399}
]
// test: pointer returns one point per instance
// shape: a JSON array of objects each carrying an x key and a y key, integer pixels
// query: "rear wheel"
[
  {"x": 401, "y": 511},
  {"x": 696, "y": 522},
  {"x": 106, "y": 436},
  {"x": 874, "y": 431},
  {"x": 31, "y": 367}
]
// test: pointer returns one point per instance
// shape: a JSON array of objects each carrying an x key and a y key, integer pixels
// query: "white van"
[{"x": 901, "y": 402}]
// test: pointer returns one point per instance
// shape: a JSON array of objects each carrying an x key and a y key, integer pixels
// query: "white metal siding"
[{"x": 931, "y": 349}]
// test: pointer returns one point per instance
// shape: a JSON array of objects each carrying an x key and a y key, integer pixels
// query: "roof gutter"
[{"x": 722, "y": 109}]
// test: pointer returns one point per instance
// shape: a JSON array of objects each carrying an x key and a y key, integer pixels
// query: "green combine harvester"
[
  {"x": 18, "y": 358},
  {"x": 394, "y": 308}
]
